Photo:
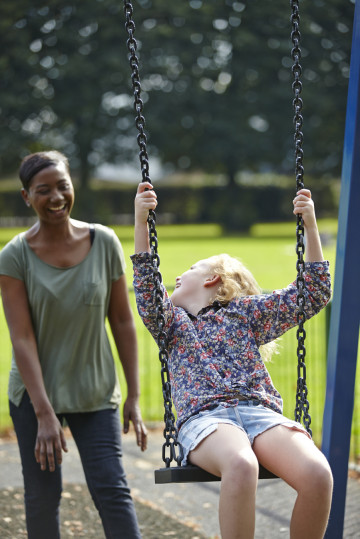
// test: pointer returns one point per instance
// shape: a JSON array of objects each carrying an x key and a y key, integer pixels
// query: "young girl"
[{"x": 229, "y": 413}]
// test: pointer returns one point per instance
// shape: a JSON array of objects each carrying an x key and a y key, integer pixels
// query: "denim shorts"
[{"x": 249, "y": 416}]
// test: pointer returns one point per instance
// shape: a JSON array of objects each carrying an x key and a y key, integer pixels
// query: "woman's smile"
[{"x": 57, "y": 209}]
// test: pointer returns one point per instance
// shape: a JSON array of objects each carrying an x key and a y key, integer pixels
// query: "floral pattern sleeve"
[
  {"x": 145, "y": 298},
  {"x": 273, "y": 314}
]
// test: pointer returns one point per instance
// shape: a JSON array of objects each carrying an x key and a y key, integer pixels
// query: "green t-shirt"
[{"x": 68, "y": 309}]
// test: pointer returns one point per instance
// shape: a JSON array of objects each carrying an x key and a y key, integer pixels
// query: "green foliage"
[
  {"x": 220, "y": 92},
  {"x": 62, "y": 66},
  {"x": 216, "y": 79}
]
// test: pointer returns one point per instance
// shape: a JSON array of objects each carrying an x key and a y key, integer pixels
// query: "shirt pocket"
[{"x": 94, "y": 293}]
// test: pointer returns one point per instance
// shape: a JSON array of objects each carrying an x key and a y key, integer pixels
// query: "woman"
[{"x": 59, "y": 281}]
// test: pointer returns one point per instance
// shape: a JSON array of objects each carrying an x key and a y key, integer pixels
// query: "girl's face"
[
  {"x": 51, "y": 194},
  {"x": 190, "y": 283}
]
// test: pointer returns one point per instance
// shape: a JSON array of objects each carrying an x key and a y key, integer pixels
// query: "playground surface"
[{"x": 180, "y": 511}]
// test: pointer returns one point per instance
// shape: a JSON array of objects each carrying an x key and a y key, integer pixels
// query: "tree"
[
  {"x": 216, "y": 79},
  {"x": 219, "y": 83},
  {"x": 66, "y": 80}
]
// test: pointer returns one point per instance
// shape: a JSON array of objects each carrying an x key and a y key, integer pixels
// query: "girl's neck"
[{"x": 195, "y": 304}]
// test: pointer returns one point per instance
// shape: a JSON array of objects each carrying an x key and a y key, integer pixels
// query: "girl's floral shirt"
[{"x": 214, "y": 357}]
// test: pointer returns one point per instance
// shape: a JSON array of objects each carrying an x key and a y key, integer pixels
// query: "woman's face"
[{"x": 51, "y": 194}]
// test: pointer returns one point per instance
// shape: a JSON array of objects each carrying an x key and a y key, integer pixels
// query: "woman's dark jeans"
[{"x": 98, "y": 438}]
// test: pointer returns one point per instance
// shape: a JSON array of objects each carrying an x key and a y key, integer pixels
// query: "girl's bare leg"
[
  {"x": 227, "y": 453},
  {"x": 292, "y": 456}
]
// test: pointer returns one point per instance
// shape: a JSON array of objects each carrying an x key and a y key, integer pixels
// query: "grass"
[{"x": 268, "y": 251}]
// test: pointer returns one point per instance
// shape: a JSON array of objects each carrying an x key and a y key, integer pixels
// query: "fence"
[{"x": 283, "y": 370}]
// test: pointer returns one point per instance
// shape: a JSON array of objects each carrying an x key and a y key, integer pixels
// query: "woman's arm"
[
  {"x": 123, "y": 329},
  {"x": 304, "y": 205},
  {"x": 145, "y": 200},
  {"x": 50, "y": 437}
]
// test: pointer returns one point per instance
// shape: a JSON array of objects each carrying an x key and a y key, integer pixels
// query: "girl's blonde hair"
[{"x": 237, "y": 281}]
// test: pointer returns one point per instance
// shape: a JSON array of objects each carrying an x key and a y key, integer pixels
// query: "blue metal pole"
[{"x": 344, "y": 323}]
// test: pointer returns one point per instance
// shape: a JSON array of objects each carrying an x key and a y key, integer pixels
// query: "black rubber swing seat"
[{"x": 194, "y": 474}]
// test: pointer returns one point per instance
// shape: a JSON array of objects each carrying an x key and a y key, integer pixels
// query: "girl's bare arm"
[{"x": 304, "y": 205}]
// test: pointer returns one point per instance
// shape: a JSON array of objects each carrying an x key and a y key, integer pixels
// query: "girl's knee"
[
  {"x": 325, "y": 477},
  {"x": 318, "y": 478},
  {"x": 243, "y": 468}
]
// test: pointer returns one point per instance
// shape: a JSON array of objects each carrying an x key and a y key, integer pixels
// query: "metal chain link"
[
  {"x": 302, "y": 403},
  {"x": 172, "y": 449},
  {"x": 171, "y": 445}
]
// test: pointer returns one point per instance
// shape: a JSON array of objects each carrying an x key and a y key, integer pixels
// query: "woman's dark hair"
[{"x": 33, "y": 163}]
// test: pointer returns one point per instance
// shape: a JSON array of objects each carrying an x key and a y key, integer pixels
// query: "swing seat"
[{"x": 194, "y": 474}]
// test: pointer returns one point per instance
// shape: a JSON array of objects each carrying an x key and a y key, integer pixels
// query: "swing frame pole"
[{"x": 345, "y": 311}]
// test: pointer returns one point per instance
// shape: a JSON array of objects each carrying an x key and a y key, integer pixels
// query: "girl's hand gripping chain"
[
  {"x": 145, "y": 201},
  {"x": 304, "y": 205}
]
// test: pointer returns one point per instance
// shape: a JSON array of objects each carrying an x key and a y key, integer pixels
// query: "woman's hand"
[
  {"x": 132, "y": 413},
  {"x": 50, "y": 441}
]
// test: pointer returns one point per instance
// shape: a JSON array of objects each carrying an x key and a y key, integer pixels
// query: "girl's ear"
[
  {"x": 212, "y": 281},
  {"x": 25, "y": 196}
]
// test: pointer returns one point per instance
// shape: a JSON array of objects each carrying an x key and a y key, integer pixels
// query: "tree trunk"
[{"x": 231, "y": 178}]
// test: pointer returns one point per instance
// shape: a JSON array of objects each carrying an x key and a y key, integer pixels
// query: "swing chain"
[
  {"x": 302, "y": 403},
  {"x": 135, "y": 78},
  {"x": 171, "y": 445}
]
